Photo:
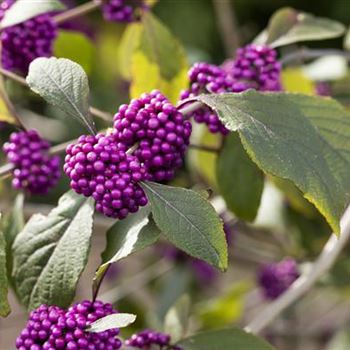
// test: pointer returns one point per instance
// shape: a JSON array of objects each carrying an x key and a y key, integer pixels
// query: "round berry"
[
  {"x": 35, "y": 170},
  {"x": 123, "y": 10},
  {"x": 275, "y": 278},
  {"x": 24, "y": 42},
  {"x": 99, "y": 167},
  {"x": 158, "y": 132}
]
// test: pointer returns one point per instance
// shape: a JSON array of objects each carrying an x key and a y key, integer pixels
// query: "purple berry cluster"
[
  {"x": 123, "y": 10},
  {"x": 24, "y": 42},
  {"x": 35, "y": 170},
  {"x": 98, "y": 167},
  {"x": 208, "y": 78},
  {"x": 50, "y": 328},
  {"x": 274, "y": 279},
  {"x": 257, "y": 66},
  {"x": 159, "y": 131},
  {"x": 147, "y": 338}
]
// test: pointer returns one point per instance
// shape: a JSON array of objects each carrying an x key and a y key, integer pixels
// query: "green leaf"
[
  {"x": 110, "y": 322},
  {"x": 23, "y": 10},
  {"x": 51, "y": 252},
  {"x": 176, "y": 319},
  {"x": 305, "y": 139},
  {"x": 76, "y": 47},
  {"x": 126, "y": 237},
  {"x": 240, "y": 181},
  {"x": 189, "y": 221},
  {"x": 289, "y": 26},
  {"x": 4, "y": 305},
  {"x": 225, "y": 339},
  {"x": 64, "y": 84}
]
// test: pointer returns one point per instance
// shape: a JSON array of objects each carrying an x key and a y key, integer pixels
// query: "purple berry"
[
  {"x": 99, "y": 167},
  {"x": 147, "y": 338},
  {"x": 157, "y": 130},
  {"x": 208, "y": 78},
  {"x": 275, "y": 278},
  {"x": 35, "y": 170},
  {"x": 256, "y": 66},
  {"x": 50, "y": 328},
  {"x": 24, "y": 42},
  {"x": 123, "y": 10}
]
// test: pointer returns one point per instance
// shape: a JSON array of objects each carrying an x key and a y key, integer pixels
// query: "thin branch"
[
  {"x": 306, "y": 281},
  {"x": 77, "y": 11},
  {"x": 308, "y": 54},
  {"x": 227, "y": 25},
  {"x": 205, "y": 148}
]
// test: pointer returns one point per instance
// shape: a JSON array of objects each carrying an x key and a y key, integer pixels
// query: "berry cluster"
[
  {"x": 159, "y": 131},
  {"x": 35, "y": 170},
  {"x": 24, "y": 42},
  {"x": 50, "y": 328},
  {"x": 98, "y": 167},
  {"x": 148, "y": 338},
  {"x": 256, "y": 66},
  {"x": 276, "y": 278},
  {"x": 206, "y": 78},
  {"x": 123, "y": 10}
]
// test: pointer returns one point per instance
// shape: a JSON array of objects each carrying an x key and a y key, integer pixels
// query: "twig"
[
  {"x": 77, "y": 11},
  {"x": 306, "y": 281},
  {"x": 205, "y": 148},
  {"x": 227, "y": 24},
  {"x": 306, "y": 53}
]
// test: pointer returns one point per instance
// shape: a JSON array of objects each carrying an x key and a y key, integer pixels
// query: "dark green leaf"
[
  {"x": 240, "y": 181},
  {"x": 189, "y": 221},
  {"x": 176, "y": 319},
  {"x": 305, "y": 139},
  {"x": 4, "y": 305},
  {"x": 51, "y": 252},
  {"x": 23, "y": 10},
  {"x": 225, "y": 339},
  {"x": 64, "y": 84},
  {"x": 111, "y": 322},
  {"x": 289, "y": 26}
]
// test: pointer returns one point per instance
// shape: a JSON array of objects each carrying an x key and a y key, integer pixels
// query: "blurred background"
[{"x": 150, "y": 282}]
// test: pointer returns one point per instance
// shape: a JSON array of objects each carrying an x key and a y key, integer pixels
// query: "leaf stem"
[
  {"x": 77, "y": 11},
  {"x": 306, "y": 281},
  {"x": 306, "y": 53}
]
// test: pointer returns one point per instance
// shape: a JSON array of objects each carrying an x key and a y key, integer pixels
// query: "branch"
[
  {"x": 77, "y": 11},
  {"x": 227, "y": 24},
  {"x": 305, "y": 54},
  {"x": 205, "y": 148},
  {"x": 306, "y": 281}
]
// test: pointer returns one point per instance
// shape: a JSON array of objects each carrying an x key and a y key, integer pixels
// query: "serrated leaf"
[
  {"x": 240, "y": 181},
  {"x": 305, "y": 139},
  {"x": 4, "y": 305},
  {"x": 126, "y": 237},
  {"x": 64, "y": 84},
  {"x": 225, "y": 339},
  {"x": 188, "y": 221},
  {"x": 51, "y": 252},
  {"x": 176, "y": 319},
  {"x": 76, "y": 47},
  {"x": 289, "y": 26},
  {"x": 110, "y": 322},
  {"x": 22, "y": 10}
]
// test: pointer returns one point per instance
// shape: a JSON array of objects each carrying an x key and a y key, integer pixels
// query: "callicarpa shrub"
[{"x": 186, "y": 155}]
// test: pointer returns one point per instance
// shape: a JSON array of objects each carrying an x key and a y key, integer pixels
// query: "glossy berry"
[
  {"x": 157, "y": 130},
  {"x": 148, "y": 339},
  {"x": 50, "y": 328},
  {"x": 206, "y": 78},
  {"x": 98, "y": 167},
  {"x": 24, "y": 42},
  {"x": 123, "y": 10},
  {"x": 35, "y": 170},
  {"x": 256, "y": 66},
  {"x": 275, "y": 278}
]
